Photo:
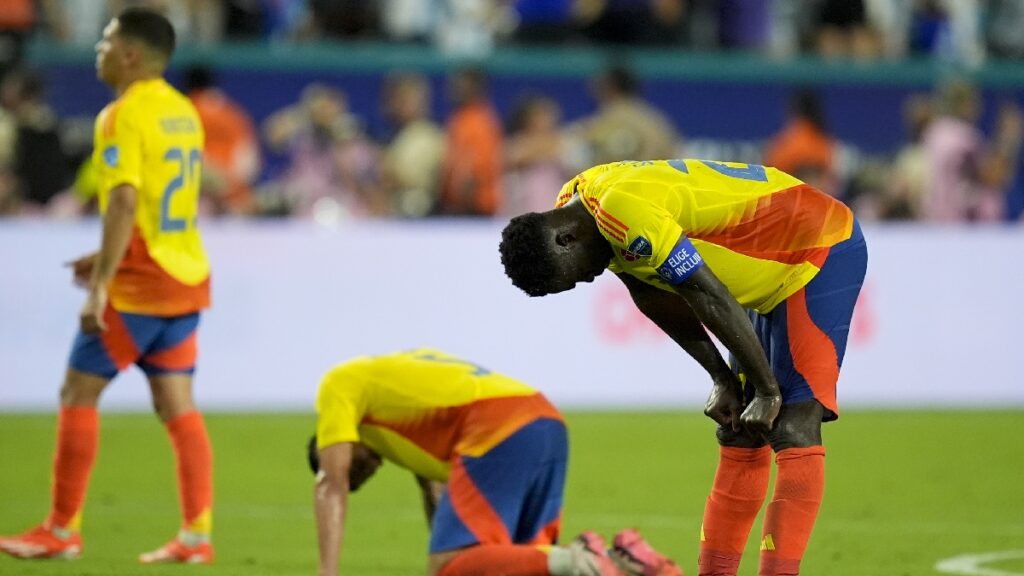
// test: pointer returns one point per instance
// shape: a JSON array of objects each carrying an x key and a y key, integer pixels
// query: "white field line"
[{"x": 973, "y": 564}]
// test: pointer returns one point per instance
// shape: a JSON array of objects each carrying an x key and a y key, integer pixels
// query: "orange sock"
[
  {"x": 498, "y": 560},
  {"x": 78, "y": 438},
  {"x": 741, "y": 484},
  {"x": 789, "y": 520},
  {"x": 195, "y": 470}
]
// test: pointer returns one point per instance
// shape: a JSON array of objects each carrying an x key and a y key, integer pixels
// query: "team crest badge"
[
  {"x": 640, "y": 247},
  {"x": 111, "y": 155}
]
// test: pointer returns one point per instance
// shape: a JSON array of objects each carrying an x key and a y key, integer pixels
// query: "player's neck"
[{"x": 140, "y": 76}]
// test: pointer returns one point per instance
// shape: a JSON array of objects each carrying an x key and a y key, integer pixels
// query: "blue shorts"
[
  {"x": 510, "y": 495},
  {"x": 158, "y": 345},
  {"x": 804, "y": 337}
]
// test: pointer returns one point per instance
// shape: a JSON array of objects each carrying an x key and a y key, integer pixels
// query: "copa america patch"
[
  {"x": 111, "y": 155},
  {"x": 640, "y": 247},
  {"x": 681, "y": 263}
]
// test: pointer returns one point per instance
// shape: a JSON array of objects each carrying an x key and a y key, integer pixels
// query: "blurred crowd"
[
  {"x": 478, "y": 163},
  {"x": 964, "y": 30},
  {"x": 329, "y": 167}
]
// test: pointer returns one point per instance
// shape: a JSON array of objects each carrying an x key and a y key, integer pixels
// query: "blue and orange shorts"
[
  {"x": 158, "y": 345},
  {"x": 805, "y": 336},
  {"x": 510, "y": 495}
]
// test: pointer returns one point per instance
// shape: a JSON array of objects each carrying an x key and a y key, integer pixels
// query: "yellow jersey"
[
  {"x": 420, "y": 408},
  {"x": 152, "y": 139},
  {"x": 764, "y": 233}
]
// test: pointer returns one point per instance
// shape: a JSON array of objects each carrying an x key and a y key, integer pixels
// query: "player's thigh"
[
  {"x": 169, "y": 364},
  {"x": 82, "y": 388},
  {"x": 172, "y": 395},
  {"x": 510, "y": 495}
]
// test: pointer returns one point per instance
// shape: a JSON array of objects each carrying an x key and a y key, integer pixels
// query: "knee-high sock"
[
  {"x": 78, "y": 437},
  {"x": 741, "y": 484},
  {"x": 789, "y": 520},
  {"x": 498, "y": 560},
  {"x": 194, "y": 459}
]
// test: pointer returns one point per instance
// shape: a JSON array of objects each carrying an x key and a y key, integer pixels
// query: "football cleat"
[
  {"x": 177, "y": 551},
  {"x": 591, "y": 556},
  {"x": 638, "y": 558},
  {"x": 43, "y": 542}
]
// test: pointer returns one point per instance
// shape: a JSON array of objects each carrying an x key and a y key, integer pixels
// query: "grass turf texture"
[{"x": 905, "y": 489}]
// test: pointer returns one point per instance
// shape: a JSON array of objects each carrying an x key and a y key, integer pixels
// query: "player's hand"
[
  {"x": 81, "y": 269},
  {"x": 91, "y": 317},
  {"x": 761, "y": 413},
  {"x": 725, "y": 404}
]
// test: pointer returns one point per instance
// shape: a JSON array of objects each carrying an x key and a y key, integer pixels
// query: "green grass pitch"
[{"x": 905, "y": 489}]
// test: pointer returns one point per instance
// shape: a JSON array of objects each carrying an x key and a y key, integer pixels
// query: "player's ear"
[{"x": 563, "y": 239}]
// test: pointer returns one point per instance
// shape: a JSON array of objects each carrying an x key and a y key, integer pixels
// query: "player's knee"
[
  {"x": 737, "y": 439},
  {"x": 79, "y": 390},
  {"x": 798, "y": 426},
  {"x": 438, "y": 562}
]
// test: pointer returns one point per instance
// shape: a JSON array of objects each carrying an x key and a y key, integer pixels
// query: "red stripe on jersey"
[
  {"x": 602, "y": 224},
  {"x": 612, "y": 218},
  {"x": 790, "y": 226}
]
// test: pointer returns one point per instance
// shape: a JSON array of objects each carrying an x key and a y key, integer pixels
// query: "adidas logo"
[{"x": 767, "y": 543}]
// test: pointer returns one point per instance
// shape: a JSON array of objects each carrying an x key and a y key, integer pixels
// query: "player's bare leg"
[
  {"x": 799, "y": 487},
  {"x": 173, "y": 403},
  {"x": 77, "y": 441}
]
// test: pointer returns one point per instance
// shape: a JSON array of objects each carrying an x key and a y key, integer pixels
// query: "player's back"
[
  {"x": 152, "y": 139},
  {"x": 421, "y": 407}
]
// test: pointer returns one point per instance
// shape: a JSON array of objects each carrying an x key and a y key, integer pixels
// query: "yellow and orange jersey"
[
  {"x": 764, "y": 233},
  {"x": 421, "y": 408},
  {"x": 152, "y": 139}
]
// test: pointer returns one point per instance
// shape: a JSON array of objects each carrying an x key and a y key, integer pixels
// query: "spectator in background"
[
  {"x": 967, "y": 176},
  {"x": 410, "y": 163},
  {"x": 231, "y": 159},
  {"x": 40, "y": 166},
  {"x": 18, "y": 18},
  {"x": 908, "y": 178},
  {"x": 625, "y": 126},
  {"x": 1005, "y": 26},
  {"x": 471, "y": 171},
  {"x": 331, "y": 171},
  {"x": 804, "y": 147},
  {"x": 533, "y": 156},
  {"x": 345, "y": 19},
  {"x": 631, "y": 22},
  {"x": 544, "y": 21},
  {"x": 844, "y": 31},
  {"x": 8, "y": 182}
]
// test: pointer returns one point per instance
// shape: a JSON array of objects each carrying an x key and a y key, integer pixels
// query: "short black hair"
[
  {"x": 525, "y": 255},
  {"x": 149, "y": 27},
  {"x": 313, "y": 455}
]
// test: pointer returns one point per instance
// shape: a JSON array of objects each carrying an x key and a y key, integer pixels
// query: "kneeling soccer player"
[{"x": 489, "y": 452}]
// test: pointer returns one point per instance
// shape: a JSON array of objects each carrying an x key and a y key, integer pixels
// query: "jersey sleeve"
[
  {"x": 645, "y": 235},
  {"x": 119, "y": 144},
  {"x": 340, "y": 406}
]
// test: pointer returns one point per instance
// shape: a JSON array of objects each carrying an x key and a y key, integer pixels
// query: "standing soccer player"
[
  {"x": 146, "y": 286},
  {"x": 702, "y": 243}
]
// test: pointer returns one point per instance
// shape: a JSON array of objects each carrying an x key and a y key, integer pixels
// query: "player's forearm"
[
  {"x": 330, "y": 496},
  {"x": 729, "y": 322},
  {"x": 118, "y": 223}
]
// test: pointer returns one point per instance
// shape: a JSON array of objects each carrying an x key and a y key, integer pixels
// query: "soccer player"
[
  {"x": 701, "y": 243},
  {"x": 489, "y": 454},
  {"x": 146, "y": 286}
]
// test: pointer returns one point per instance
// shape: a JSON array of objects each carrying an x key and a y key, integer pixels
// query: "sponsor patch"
[
  {"x": 681, "y": 263},
  {"x": 111, "y": 155}
]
